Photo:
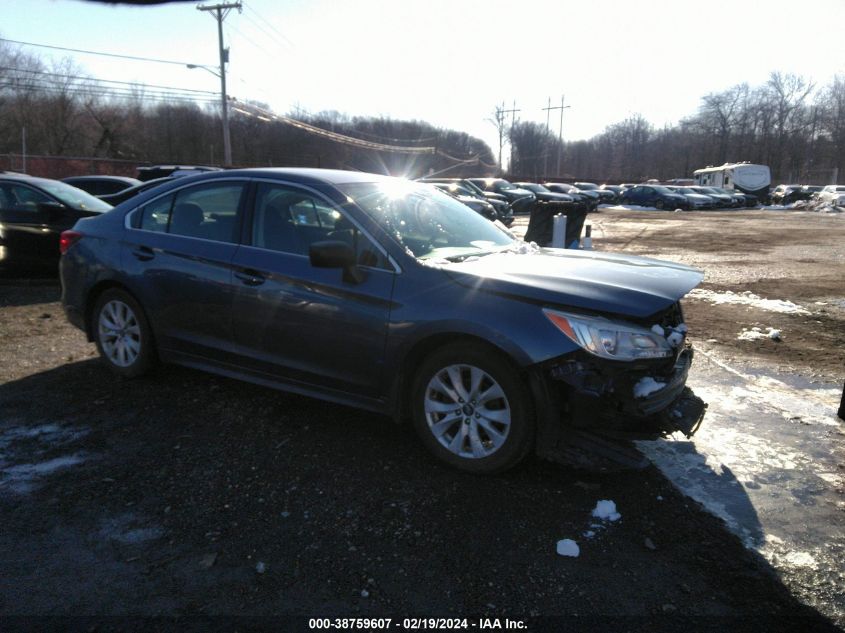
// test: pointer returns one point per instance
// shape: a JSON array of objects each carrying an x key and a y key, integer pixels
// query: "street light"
[
  {"x": 209, "y": 69},
  {"x": 227, "y": 144}
]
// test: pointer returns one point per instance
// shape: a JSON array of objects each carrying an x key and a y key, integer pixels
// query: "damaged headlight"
[{"x": 613, "y": 340}]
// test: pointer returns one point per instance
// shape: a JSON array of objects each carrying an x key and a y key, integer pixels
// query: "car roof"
[
  {"x": 35, "y": 180},
  {"x": 302, "y": 175},
  {"x": 100, "y": 177}
]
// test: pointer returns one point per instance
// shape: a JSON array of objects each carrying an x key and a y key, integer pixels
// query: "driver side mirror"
[{"x": 336, "y": 254}]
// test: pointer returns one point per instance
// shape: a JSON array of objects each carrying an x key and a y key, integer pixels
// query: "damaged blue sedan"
[{"x": 391, "y": 296}]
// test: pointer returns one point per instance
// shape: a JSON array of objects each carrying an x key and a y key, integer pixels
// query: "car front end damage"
[{"x": 601, "y": 404}]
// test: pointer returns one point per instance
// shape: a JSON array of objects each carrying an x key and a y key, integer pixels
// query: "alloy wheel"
[
  {"x": 119, "y": 333},
  {"x": 467, "y": 411}
]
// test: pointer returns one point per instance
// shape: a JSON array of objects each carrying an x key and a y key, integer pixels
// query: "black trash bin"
[{"x": 541, "y": 223}]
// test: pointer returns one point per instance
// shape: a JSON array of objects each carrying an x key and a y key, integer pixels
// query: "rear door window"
[{"x": 210, "y": 212}]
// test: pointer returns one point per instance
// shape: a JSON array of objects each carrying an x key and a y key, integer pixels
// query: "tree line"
[
  {"x": 54, "y": 109},
  {"x": 796, "y": 128},
  {"x": 789, "y": 124}
]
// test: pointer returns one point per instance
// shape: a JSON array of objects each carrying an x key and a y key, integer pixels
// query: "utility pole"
[
  {"x": 220, "y": 11},
  {"x": 545, "y": 150},
  {"x": 513, "y": 122},
  {"x": 560, "y": 133},
  {"x": 500, "y": 126}
]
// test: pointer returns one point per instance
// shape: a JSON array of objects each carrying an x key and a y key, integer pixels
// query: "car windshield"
[
  {"x": 660, "y": 189},
  {"x": 504, "y": 185},
  {"x": 533, "y": 187},
  {"x": 73, "y": 197},
  {"x": 426, "y": 222}
]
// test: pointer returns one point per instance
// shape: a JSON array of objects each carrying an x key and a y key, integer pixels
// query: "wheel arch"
[
  {"x": 93, "y": 296},
  {"x": 424, "y": 347}
]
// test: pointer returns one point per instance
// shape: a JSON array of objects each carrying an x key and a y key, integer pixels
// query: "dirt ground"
[
  {"x": 184, "y": 494},
  {"x": 792, "y": 256}
]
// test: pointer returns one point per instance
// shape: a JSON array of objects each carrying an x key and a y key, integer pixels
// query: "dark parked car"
[
  {"x": 615, "y": 189},
  {"x": 655, "y": 196},
  {"x": 722, "y": 200},
  {"x": 522, "y": 201},
  {"x": 482, "y": 207},
  {"x": 605, "y": 196},
  {"x": 589, "y": 198},
  {"x": 390, "y": 296},
  {"x": 101, "y": 185},
  {"x": 695, "y": 201},
  {"x": 33, "y": 214},
  {"x": 465, "y": 187},
  {"x": 115, "y": 199},
  {"x": 787, "y": 194},
  {"x": 162, "y": 171}
]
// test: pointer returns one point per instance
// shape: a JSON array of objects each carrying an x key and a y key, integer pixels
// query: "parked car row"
[
  {"x": 688, "y": 198},
  {"x": 491, "y": 205},
  {"x": 787, "y": 194}
]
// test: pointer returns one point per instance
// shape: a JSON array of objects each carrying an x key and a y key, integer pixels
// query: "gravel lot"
[{"x": 186, "y": 494}]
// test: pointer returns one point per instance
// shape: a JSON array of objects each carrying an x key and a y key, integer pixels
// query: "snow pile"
[
  {"x": 522, "y": 248},
  {"x": 647, "y": 386},
  {"x": 757, "y": 334},
  {"x": 819, "y": 206},
  {"x": 747, "y": 298},
  {"x": 674, "y": 335},
  {"x": 606, "y": 511},
  {"x": 568, "y": 547}
]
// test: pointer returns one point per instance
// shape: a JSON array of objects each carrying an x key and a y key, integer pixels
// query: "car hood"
[
  {"x": 587, "y": 280},
  {"x": 522, "y": 193}
]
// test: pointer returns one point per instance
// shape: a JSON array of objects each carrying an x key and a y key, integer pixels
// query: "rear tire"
[
  {"x": 472, "y": 410},
  {"x": 123, "y": 336}
]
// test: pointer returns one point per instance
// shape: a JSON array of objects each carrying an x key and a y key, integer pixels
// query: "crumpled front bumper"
[{"x": 599, "y": 396}]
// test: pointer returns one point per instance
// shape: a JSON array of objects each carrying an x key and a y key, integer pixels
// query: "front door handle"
[
  {"x": 143, "y": 253},
  {"x": 250, "y": 277}
]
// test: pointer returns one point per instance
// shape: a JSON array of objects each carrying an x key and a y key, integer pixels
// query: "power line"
[
  {"x": 107, "y": 92},
  {"x": 269, "y": 35},
  {"x": 335, "y": 136},
  {"x": 36, "y": 82},
  {"x": 79, "y": 50},
  {"x": 270, "y": 24},
  {"x": 110, "y": 81}
]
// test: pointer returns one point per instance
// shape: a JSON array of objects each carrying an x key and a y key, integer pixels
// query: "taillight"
[{"x": 68, "y": 239}]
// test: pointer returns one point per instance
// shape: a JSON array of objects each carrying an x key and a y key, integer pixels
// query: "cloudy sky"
[{"x": 450, "y": 62}]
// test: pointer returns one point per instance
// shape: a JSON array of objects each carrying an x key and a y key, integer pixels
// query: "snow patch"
[
  {"x": 756, "y": 334},
  {"x": 568, "y": 547},
  {"x": 647, "y": 386},
  {"x": 522, "y": 248},
  {"x": 747, "y": 298},
  {"x": 606, "y": 511},
  {"x": 801, "y": 559}
]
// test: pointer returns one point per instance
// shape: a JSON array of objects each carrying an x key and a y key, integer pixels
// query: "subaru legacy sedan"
[{"x": 391, "y": 296}]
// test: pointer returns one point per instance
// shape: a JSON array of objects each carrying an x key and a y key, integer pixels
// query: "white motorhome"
[{"x": 753, "y": 179}]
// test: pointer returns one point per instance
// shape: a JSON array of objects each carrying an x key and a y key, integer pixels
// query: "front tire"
[
  {"x": 122, "y": 334},
  {"x": 472, "y": 410}
]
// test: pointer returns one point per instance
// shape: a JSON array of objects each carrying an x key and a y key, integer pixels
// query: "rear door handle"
[
  {"x": 144, "y": 253},
  {"x": 250, "y": 277}
]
